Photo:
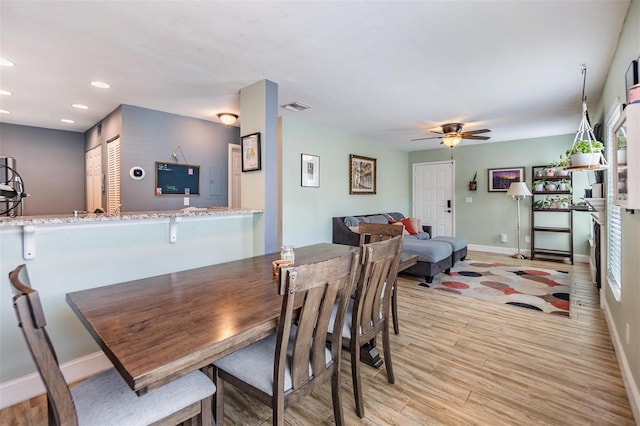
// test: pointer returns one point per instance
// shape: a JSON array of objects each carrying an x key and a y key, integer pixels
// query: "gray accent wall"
[{"x": 51, "y": 164}]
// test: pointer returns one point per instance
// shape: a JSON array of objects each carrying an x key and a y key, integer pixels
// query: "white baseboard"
[
  {"x": 633, "y": 392},
  {"x": 30, "y": 386},
  {"x": 582, "y": 258}
]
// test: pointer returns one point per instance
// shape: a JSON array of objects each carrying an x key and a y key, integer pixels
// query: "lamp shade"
[
  {"x": 518, "y": 189},
  {"x": 451, "y": 140},
  {"x": 227, "y": 118}
]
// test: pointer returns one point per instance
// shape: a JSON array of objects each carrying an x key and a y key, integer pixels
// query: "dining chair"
[
  {"x": 368, "y": 312},
  {"x": 104, "y": 399},
  {"x": 287, "y": 365},
  {"x": 373, "y": 232}
]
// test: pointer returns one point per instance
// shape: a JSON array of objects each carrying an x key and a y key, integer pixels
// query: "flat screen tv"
[{"x": 177, "y": 179}]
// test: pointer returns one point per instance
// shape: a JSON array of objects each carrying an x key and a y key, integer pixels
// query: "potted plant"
[
  {"x": 564, "y": 185},
  {"x": 585, "y": 153},
  {"x": 564, "y": 203},
  {"x": 473, "y": 183},
  {"x": 538, "y": 204},
  {"x": 550, "y": 186},
  {"x": 538, "y": 185},
  {"x": 622, "y": 150},
  {"x": 561, "y": 164}
]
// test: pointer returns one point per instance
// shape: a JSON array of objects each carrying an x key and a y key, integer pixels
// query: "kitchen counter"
[{"x": 125, "y": 216}]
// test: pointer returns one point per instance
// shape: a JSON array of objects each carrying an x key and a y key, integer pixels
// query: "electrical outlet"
[
  {"x": 527, "y": 239},
  {"x": 468, "y": 200},
  {"x": 503, "y": 238},
  {"x": 186, "y": 201}
]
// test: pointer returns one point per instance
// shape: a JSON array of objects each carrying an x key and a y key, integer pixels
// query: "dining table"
[{"x": 157, "y": 329}]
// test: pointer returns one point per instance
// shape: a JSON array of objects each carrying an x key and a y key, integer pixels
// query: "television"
[{"x": 177, "y": 179}]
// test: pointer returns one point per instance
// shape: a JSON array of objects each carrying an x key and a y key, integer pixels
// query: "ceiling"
[{"x": 385, "y": 71}]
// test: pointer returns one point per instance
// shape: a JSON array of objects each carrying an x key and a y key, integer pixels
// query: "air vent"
[{"x": 295, "y": 106}]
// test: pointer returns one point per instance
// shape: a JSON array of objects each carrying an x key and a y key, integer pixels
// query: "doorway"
[
  {"x": 433, "y": 196},
  {"x": 93, "y": 176},
  {"x": 234, "y": 192}
]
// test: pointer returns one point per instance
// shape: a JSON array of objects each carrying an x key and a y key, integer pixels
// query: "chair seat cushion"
[
  {"x": 431, "y": 251},
  {"x": 457, "y": 243},
  {"x": 107, "y": 400},
  {"x": 254, "y": 363}
]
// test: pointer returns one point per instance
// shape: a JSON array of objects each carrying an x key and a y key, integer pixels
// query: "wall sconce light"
[
  {"x": 451, "y": 140},
  {"x": 227, "y": 118}
]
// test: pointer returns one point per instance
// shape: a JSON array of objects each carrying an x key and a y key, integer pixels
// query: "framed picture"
[
  {"x": 500, "y": 179},
  {"x": 310, "y": 170},
  {"x": 251, "y": 152},
  {"x": 362, "y": 175}
]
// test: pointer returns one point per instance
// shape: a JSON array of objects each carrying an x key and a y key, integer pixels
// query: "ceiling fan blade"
[
  {"x": 424, "y": 139},
  {"x": 475, "y": 132},
  {"x": 480, "y": 138}
]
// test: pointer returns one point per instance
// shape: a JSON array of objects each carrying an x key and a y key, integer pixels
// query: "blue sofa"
[{"x": 434, "y": 255}]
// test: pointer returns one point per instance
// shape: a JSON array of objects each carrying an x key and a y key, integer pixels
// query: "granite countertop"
[{"x": 125, "y": 216}]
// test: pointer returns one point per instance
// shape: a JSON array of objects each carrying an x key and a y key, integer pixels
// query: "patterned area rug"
[{"x": 543, "y": 290}]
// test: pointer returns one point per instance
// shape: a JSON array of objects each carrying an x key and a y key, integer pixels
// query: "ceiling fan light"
[
  {"x": 227, "y": 118},
  {"x": 451, "y": 140}
]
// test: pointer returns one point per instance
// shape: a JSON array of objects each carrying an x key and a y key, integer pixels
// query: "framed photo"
[
  {"x": 310, "y": 170},
  {"x": 500, "y": 179},
  {"x": 362, "y": 175},
  {"x": 251, "y": 152}
]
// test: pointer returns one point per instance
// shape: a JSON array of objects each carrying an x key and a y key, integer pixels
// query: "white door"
[
  {"x": 114, "y": 200},
  {"x": 433, "y": 196},
  {"x": 235, "y": 176},
  {"x": 93, "y": 177}
]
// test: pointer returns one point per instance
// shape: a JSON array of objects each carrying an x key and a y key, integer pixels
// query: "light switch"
[
  {"x": 468, "y": 200},
  {"x": 186, "y": 201}
]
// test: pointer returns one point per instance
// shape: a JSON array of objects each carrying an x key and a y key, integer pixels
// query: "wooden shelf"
[
  {"x": 550, "y": 192},
  {"x": 550, "y": 229},
  {"x": 553, "y": 210}
]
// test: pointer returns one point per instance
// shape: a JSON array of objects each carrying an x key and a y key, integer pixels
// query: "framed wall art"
[
  {"x": 251, "y": 152},
  {"x": 500, "y": 179},
  {"x": 362, "y": 175},
  {"x": 310, "y": 170}
]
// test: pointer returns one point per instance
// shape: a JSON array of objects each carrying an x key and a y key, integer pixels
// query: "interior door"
[
  {"x": 235, "y": 176},
  {"x": 93, "y": 177},
  {"x": 114, "y": 198},
  {"x": 433, "y": 196}
]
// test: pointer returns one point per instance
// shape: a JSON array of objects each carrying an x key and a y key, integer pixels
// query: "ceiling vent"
[{"x": 295, "y": 106}]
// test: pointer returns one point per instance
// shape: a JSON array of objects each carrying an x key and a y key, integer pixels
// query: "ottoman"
[{"x": 458, "y": 247}]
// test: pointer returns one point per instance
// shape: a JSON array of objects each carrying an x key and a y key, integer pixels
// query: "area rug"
[{"x": 543, "y": 290}]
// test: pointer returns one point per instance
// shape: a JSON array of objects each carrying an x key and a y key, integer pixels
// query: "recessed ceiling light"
[
  {"x": 4, "y": 111},
  {"x": 6, "y": 63},
  {"x": 66, "y": 120},
  {"x": 295, "y": 106},
  {"x": 100, "y": 84},
  {"x": 5, "y": 93},
  {"x": 79, "y": 106}
]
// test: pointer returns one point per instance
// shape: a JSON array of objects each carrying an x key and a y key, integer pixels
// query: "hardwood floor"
[{"x": 462, "y": 361}]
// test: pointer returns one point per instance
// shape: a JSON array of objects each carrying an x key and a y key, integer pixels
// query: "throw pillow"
[
  {"x": 423, "y": 236},
  {"x": 412, "y": 225},
  {"x": 404, "y": 231}
]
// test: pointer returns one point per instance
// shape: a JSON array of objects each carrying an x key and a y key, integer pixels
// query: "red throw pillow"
[{"x": 410, "y": 226}]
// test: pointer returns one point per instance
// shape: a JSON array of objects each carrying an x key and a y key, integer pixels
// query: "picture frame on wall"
[
  {"x": 251, "y": 156},
  {"x": 501, "y": 179},
  {"x": 310, "y": 170},
  {"x": 362, "y": 175}
]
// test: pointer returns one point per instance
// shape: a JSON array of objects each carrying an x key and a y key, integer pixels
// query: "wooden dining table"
[{"x": 155, "y": 330}]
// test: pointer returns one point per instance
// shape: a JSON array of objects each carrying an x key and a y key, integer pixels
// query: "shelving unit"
[
  {"x": 626, "y": 176},
  {"x": 551, "y": 227}
]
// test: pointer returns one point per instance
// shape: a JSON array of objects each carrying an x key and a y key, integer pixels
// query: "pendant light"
[{"x": 585, "y": 135}]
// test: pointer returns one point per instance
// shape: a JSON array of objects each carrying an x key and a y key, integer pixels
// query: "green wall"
[
  {"x": 492, "y": 213},
  {"x": 307, "y": 212}
]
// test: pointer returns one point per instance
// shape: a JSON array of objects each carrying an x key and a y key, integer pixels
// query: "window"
[{"x": 614, "y": 222}]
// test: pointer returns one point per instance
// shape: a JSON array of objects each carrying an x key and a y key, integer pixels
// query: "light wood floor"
[{"x": 462, "y": 361}]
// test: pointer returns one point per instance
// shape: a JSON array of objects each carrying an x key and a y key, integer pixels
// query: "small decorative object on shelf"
[
  {"x": 473, "y": 183},
  {"x": 626, "y": 175}
]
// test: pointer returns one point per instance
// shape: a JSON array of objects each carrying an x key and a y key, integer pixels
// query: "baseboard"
[
  {"x": 633, "y": 392},
  {"x": 30, "y": 386},
  {"x": 510, "y": 251}
]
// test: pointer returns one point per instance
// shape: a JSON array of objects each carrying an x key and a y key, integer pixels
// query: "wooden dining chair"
[
  {"x": 373, "y": 232},
  {"x": 368, "y": 312},
  {"x": 284, "y": 367},
  {"x": 104, "y": 399}
]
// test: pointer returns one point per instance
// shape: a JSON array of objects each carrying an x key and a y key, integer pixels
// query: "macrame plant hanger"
[{"x": 585, "y": 132}]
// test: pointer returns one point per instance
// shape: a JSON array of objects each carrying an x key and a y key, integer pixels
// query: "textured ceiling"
[{"x": 386, "y": 71}]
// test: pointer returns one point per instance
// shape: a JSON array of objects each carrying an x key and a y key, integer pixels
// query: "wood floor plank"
[{"x": 462, "y": 361}]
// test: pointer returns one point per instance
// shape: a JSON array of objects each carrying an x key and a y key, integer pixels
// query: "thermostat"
[{"x": 136, "y": 173}]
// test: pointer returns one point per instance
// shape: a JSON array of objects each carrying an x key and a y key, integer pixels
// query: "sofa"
[{"x": 435, "y": 255}]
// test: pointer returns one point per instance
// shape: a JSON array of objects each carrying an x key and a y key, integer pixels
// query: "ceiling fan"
[{"x": 452, "y": 134}]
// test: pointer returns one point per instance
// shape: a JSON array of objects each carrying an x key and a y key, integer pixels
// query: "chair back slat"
[
  {"x": 373, "y": 292},
  {"x": 314, "y": 289},
  {"x": 31, "y": 320},
  {"x": 374, "y": 232}
]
